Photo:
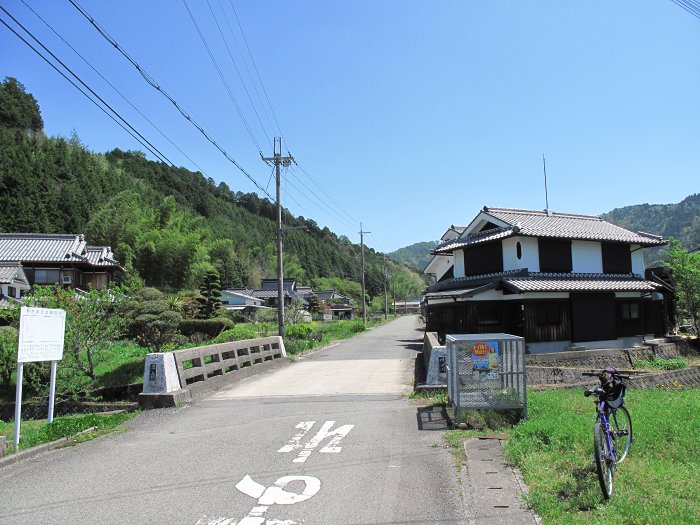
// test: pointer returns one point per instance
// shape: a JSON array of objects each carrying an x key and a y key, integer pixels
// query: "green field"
[{"x": 659, "y": 483}]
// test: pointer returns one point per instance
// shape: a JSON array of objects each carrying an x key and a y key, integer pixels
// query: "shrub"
[
  {"x": 8, "y": 354},
  {"x": 358, "y": 327},
  {"x": 237, "y": 332},
  {"x": 210, "y": 327},
  {"x": 299, "y": 331}
]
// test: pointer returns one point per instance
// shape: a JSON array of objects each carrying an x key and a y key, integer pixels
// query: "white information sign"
[{"x": 41, "y": 334}]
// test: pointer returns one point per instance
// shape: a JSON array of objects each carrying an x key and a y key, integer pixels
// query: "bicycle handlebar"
[{"x": 598, "y": 374}]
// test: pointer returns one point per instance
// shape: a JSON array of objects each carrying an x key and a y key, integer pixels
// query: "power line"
[
  {"x": 132, "y": 131},
  {"x": 340, "y": 208},
  {"x": 151, "y": 81},
  {"x": 320, "y": 201},
  {"x": 245, "y": 40},
  {"x": 112, "y": 86},
  {"x": 221, "y": 76},
  {"x": 690, "y": 6},
  {"x": 240, "y": 77}
]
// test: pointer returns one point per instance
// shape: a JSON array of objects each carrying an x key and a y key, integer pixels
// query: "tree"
[
  {"x": 210, "y": 289},
  {"x": 685, "y": 267},
  {"x": 152, "y": 322},
  {"x": 93, "y": 321},
  {"x": 8, "y": 355},
  {"x": 18, "y": 109}
]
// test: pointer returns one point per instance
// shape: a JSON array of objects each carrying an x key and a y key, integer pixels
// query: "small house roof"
[{"x": 13, "y": 274}]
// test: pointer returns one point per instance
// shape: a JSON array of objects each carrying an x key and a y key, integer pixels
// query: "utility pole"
[
  {"x": 386, "y": 299},
  {"x": 278, "y": 160},
  {"x": 362, "y": 249}
]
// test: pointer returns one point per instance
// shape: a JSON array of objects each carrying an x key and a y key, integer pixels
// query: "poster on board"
[{"x": 486, "y": 360}]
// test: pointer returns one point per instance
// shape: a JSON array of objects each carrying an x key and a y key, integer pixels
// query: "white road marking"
[
  {"x": 295, "y": 442},
  {"x": 331, "y": 447},
  {"x": 276, "y": 495},
  {"x": 250, "y": 488}
]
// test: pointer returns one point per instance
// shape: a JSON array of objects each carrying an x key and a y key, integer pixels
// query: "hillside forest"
[{"x": 169, "y": 226}]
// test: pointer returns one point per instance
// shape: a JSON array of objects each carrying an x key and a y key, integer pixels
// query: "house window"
[
  {"x": 11, "y": 292},
  {"x": 616, "y": 258},
  {"x": 555, "y": 255},
  {"x": 630, "y": 311},
  {"x": 489, "y": 316},
  {"x": 44, "y": 276},
  {"x": 518, "y": 250},
  {"x": 547, "y": 315}
]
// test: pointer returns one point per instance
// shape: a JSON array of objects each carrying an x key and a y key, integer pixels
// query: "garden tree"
[
  {"x": 93, "y": 321},
  {"x": 18, "y": 109},
  {"x": 151, "y": 321},
  {"x": 685, "y": 267},
  {"x": 210, "y": 290},
  {"x": 8, "y": 356},
  {"x": 316, "y": 306},
  {"x": 296, "y": 313}
]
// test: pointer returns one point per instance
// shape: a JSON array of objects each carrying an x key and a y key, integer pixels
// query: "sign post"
[{"x": 41, "y": 337}]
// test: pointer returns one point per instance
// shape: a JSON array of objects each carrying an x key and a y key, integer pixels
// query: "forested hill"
[
  {"x": 416, "y": 255},
  {"x": 166, "y": 224},
  {"x": 681, "y": 221}
]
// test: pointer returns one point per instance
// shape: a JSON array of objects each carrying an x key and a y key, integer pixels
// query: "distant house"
[
  {"x": 63, "y": 259},
  {"x": 339, "y": 305},
  {"x": 12, "y": 280},
  {"x": 268, "y": 292},
  {"x": 559, "y": 280},
  {"x": 410, "y": 306},
  {"x": 441, "y": 266},
  {"x": 239, "y": 301}
]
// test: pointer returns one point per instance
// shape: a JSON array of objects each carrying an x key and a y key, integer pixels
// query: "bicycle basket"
[{"x": 615, "y": 394}]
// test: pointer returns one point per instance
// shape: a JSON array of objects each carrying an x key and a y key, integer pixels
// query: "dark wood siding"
[
  {"x": 547, "y": 321},
  {"x": 593, "y": 317},
  {"x": 483, "y": 258},
  {"x": 616, "y": 258},
  {"x": 555, "y": 255}
]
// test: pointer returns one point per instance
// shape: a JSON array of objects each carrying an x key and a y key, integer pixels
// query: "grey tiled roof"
[
  {"x": 12, "y": 272},
  {"x": 39, "y": 247},
  {"x": 522, "y": 281},
  {"x": 53, "y": 248},
  {"x": 579, "y": 282},
  {"x": 535, "y": 223}
]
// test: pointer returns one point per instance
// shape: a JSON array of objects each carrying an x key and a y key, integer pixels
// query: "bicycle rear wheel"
[
  {"x": 621, "y": 424},
  {"x": 602, "y": 460}
]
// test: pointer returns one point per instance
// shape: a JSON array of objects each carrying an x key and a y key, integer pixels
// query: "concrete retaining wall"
[
  {"x": 434, "y": 358},
  {"x": 204, "y": 369}
]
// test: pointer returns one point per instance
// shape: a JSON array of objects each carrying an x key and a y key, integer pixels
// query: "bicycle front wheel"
[
  {"x": 621, "y": 424},
  {"x": 603, "y": 460}
]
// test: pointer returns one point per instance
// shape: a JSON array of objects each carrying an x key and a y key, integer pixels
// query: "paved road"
[{"x": 329, "y": 440}]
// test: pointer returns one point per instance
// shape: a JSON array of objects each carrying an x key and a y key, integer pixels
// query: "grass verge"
[
  {"x": 38, "y": 432},
  {"x": 657, "y": 484}
]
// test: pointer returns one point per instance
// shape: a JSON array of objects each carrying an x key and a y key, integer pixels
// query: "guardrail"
[{"x": 173, "y": 377}]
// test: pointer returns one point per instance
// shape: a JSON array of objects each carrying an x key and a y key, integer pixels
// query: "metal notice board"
[{"x": 486, "y": 371}]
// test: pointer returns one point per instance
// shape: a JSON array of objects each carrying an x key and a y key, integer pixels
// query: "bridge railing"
[{"x": 182, "y": 375}]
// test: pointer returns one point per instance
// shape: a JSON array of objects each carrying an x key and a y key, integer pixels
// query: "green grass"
[
  {"x": 323, "y": 333},
  {"x": 657, "y": 484},
  {"x": 676, "y": 363},
  {"x": 38, "y": 432}
]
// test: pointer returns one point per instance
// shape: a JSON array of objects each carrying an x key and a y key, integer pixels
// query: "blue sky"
[{"x": 407, "y": 116}]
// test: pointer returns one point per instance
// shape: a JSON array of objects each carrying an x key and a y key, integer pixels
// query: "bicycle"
[{"x": 612, "y": 432}]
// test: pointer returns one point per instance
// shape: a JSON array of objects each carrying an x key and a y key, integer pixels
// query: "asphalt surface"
[{"x": 256, "y": 453}]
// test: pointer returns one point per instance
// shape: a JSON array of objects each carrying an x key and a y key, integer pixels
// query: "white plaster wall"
[
  {"x": 530, "y": 254},
  {"x": 638, "y": 266},
  {"x": 586, "y": 257},
  {"x": 442, "y": 266},
  {"x": 459, "y": 263}
]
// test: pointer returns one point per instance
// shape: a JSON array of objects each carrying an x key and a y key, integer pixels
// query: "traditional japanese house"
[{"x": 559, "y": 280}]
